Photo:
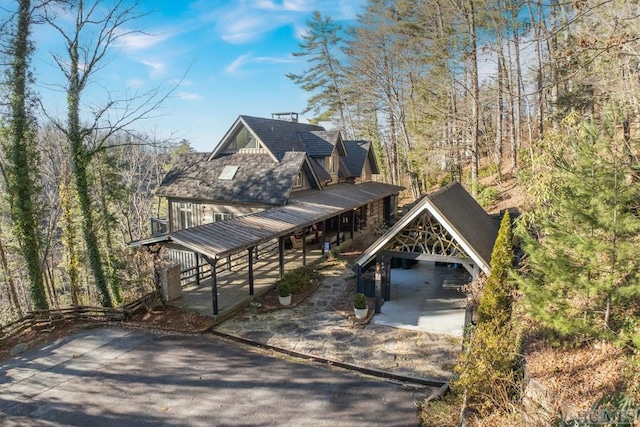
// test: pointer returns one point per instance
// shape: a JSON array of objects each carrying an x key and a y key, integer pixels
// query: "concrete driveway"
[{"x": 114, "y": 377}]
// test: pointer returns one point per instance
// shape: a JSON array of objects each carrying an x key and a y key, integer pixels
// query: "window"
[
  {"x": 185, "y": 215},
  {"x": 330, "y": 165},
  {"x": 243, "y": 139},
  {"x": 221, "y": 216},
  {"x": 298, "y": 182}
]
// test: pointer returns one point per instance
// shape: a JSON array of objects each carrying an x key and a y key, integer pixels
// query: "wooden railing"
[
  {"x": 237, "y": 260},
  {"x": 44, "y": 318}
]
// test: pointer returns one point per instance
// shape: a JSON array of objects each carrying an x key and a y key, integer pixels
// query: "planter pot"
[
  {"x": 285, "y": 300},
  {"x": 360, "y": 313}
]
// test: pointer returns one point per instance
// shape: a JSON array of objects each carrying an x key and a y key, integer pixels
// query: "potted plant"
[
  {"x": 284, "y": 293},
  {"x": 360, "y": 308}
]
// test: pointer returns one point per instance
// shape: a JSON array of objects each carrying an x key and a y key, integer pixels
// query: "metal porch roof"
[{"x": 220, "y": 239}]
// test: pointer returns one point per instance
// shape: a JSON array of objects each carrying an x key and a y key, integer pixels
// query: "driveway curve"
[{"x": 107, "y": 377}]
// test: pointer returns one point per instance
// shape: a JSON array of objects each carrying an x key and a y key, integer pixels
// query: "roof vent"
[
  {"x": 285, "y": 117},
  {"x": 228, "y": 172}
]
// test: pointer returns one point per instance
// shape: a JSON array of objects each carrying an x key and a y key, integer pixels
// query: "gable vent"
[{"x": 228, "y": 173}]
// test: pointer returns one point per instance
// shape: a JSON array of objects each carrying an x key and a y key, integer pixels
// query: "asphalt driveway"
[{"x": 115, "y": 377}]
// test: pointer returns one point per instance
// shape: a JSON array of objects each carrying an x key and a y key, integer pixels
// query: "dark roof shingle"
[
  {"x": 279, "y": 136},
  {"x": 258, "y": 179}
]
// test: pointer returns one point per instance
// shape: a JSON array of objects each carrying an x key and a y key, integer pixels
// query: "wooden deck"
[{"x": 233, "y": 286}]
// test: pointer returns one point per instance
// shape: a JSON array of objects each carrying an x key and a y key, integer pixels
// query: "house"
[
  {"x": 269, "y": 183},
  {"x": 263, "y": 163}
]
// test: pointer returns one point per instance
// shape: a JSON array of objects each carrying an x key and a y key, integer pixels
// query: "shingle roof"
[
  {"x": 319, "y": 143},
  {"x": 467, "y": 222},
  {"x": 357, "y": 152},
  {"x": 321, "y": 173},
  {"x": 279, "y": 136},
  {"x": 258, "y": 179}
]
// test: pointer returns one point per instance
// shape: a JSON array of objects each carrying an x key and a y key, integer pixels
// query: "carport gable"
[{"x": 447, "y": 226}]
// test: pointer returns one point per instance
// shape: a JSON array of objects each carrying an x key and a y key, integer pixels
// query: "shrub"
[
  {"x": 284, "y": 290},
  {"x": 488, "y": 197},
  {"x": 299, "y": 279},
  {"x": 360, "y": 301}
]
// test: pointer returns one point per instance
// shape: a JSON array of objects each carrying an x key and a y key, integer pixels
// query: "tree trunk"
[{"x": 21, "y": 184}]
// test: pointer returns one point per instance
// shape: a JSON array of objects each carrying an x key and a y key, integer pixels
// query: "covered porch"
[{"x": 339, "y": 211}]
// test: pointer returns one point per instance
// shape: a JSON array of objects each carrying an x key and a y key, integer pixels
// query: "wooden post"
[
  {"x": 353, "y": 224},
  {"x": 250, "y": 254},
  {"x": 304, "y": 246},
  {"x": 281, "y": 255},
  {"x": 378, "y": 286},
  {"x": 339, "y": 228},
  {"x": 324, "y": 234},
  {"x": 387, "y": 275},
  {"x": 197, "y": 255},
  {"x": 229, "y": 263},
  {"x": 359, "y": 284},
  {"x": 214, "y": 285}
]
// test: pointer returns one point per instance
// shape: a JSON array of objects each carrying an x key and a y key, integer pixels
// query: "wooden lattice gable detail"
[
  {"x": 448, "y": 220},
  {"x": 426, "y": 235}
]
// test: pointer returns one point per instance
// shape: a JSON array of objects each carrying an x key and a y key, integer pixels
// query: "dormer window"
[{"x": 298, "y": 182}]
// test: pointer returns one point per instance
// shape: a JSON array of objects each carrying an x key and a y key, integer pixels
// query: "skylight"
[{"x": 228, "y": 172}]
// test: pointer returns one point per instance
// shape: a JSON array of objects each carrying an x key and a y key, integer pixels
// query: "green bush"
[
  {"x": 360, "y": 301},
  {"x": 488, "y": 197},
  {"x": 299, "y": 279},
  {"x": 284, "y": 290}
]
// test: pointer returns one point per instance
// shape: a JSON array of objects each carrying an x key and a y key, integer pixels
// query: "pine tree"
[
  {"x": 583, "y": 271},
  {"x": 324, "y": 77}
]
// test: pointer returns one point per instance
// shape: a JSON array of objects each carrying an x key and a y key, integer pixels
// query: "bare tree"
[{"x": 95, "y": 31}]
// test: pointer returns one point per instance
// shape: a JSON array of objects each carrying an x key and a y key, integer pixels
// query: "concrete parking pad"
[
  {"x": 426, "y": 298},
  {"x": 107, "y": 377}
]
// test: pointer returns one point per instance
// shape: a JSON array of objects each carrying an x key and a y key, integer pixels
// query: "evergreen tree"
[
  {"x": 324, "y": 77},
  {"x": 583, "y": 270},
  {"x": 486, "y": 368},
  {"x": 495, "y": 302},
  {"x": 22, "y": 156}
]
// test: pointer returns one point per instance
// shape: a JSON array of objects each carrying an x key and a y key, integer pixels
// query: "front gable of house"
[{"x": 241, "y": 138}]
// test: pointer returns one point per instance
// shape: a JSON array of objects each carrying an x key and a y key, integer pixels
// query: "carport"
[
  {"x": 447, "y": 227},
  {"x": 217, "y": 241}
]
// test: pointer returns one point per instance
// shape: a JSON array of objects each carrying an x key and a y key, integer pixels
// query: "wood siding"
[{"x": 203, "y": 212}]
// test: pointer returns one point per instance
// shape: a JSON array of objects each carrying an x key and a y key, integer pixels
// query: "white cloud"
[
  {"x": 239, "y": 62},
  {"x": 135, "y": 83},
  {"x": 189, "y": 96},
  {"x": 137, "y": 41},
  {"x": 275, "y": 59},
  {"x": 157, "y": 68}
]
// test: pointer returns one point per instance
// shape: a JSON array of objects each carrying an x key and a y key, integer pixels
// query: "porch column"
[
  {"x": 324, "y": 235},
  {"x": 353, "y": 224},
  {"x": 378, "y": 286},
  {"x": 304, "y": 246},
  {"x": 281, "y": 255},
  {"x": 339, "y": 228},
  {"x": 359, "y": 284},
  {"x": 250, "y": 255},
  {"x": 387, "y": 275},
  {"x": 214, "y": 285},
  {"x": 197, "y": 255}
]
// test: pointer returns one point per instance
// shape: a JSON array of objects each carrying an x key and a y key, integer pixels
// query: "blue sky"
[{"x": 231, "y": 54}]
